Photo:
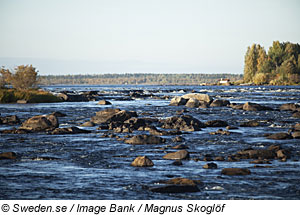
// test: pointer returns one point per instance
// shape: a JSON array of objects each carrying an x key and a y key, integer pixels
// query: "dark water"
[{"x": 88, "y": 166}]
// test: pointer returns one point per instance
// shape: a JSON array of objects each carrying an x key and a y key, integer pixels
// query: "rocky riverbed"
[{"x": 153, "y": 142}]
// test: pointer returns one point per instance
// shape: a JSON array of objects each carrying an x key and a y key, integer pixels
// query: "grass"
[{"x": 31, "y": 96}]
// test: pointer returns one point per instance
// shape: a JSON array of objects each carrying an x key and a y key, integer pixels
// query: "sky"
[{"x": 61, "y": 37}]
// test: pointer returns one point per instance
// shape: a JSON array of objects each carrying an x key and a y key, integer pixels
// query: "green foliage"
[
  {"x": 281, "y": 66},
  {"x": 138, "y": 78},
  {"x": 23, "y": 77},
  {"x": 31, "y": 96}
]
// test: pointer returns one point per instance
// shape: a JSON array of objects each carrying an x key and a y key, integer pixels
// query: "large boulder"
[
  {"x": 193, "y": 103},
  {"x": 235, "y": 171},
  {"x": 178, "y": 155},
  {"x": 178, "y": 100},
  {"x": 183, "y": 123},
  {"x": 249, "y": 106},
  {"x": 112, "y": 115},
  {"x": 142, "y": 161},
  {"x": 145, "y": 139},
  {"x": 198, "y": 96},
  {"x": 40, "y": 123}
]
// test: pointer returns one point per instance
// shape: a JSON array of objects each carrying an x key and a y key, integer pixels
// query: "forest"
[
  {"x": 138, "y": 78},
  {"x": 279, "y": 66}
]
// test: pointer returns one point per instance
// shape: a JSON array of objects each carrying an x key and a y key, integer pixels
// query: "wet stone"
[
  {"x": 210, "y": 166},
  {"x": 235, "y": 171},
  {"x": 179, "y": 155},
  {"x": 142, "y": 161}
]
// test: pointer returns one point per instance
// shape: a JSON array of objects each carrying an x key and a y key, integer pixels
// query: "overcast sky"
[{"x": 160, "y": 36}]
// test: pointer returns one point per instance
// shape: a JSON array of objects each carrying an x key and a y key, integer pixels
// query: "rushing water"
[{"x": 89, "y": 166}]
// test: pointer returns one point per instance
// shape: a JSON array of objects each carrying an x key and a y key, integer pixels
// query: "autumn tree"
[{"x": 22, "y": 78}]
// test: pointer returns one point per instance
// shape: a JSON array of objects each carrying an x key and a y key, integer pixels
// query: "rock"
[
  {"x": 256, "y": 154},
  {"x": 198, "y": 96},
  {"x": 104, "y": 102},
  {"x": 221, "y": 132},
  {"x": 231, "y": 127},
  {"x": 216, "y": 123},
  {"x": 180, "y": 146},
  {"x": 58, "y": 114},
  {"x": 142, "y": 161},
  {"x": 175, "y": 189},
  {"x": 178, "y": 139},
  {"x": 249, "y": 106},
  {"x": 251, "y": 123},
  {"x": 296, "y": 135},
  {"x": 10, "y": 120},
  {"x": 182, "y": 181},
  {"x": 22, "y": 102},
  {"x": 283, "y": 154},
  {"x": 40, "y": 123},
  {"x": 8, "y": 155},
  {"x": 219, "y": 158},
  {"x": 122, "y": 116},
  {"x": 69, "y": 130},
  {"x": 178, "y": 100},
  {"x": 136, "y": 123},
  {"x": 220, "y": 103},
  {"x": 88, "y": 124},
  {"x": 297, "y": 127},
  {"x": 183, "y": 123},
  {"x": 179, "y": 155},
  {"x": 280, "y": 136},
  {"x": 104, "y": 116},
  {"x": 192, "y": 103},
  {"x": 235, "y": 171},
  {"x": 237, "y": 106},
  {"x": 260, "y": 161},
  {"x": 296, "y": 114},
  {"x": 203, "y": 104},
  {"x": 144, "y": 139},
  {"x": 71, "y": 97},
  {"x": 164, "y": 133},
  {"x": 178, "y": 185},
  {"x": 210, "y": 166},
  {"x": 177, "y": 163},
  {"x": 289, "y": 107}
]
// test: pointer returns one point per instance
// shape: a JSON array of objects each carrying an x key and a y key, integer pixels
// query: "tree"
[
  {"x": 260, "y": 78},
  {"x": 23, "y": 77}
]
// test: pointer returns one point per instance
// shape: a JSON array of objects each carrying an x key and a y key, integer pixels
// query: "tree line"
[
  {"x": 138, "y": 78},
  {"x": 280, "y": 66}
]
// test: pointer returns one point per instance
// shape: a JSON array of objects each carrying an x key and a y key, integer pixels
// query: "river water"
[{"x": 90, "y": 166}]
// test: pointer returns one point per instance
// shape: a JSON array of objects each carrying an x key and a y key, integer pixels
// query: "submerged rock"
[
  {"x": 216, "y": 123},
  {"x": 251, "y": 123},
  {"x": 289, "y": 107},
  {"x": 142, "y": 161},
  {"x": 144, "y": 139},
  {"x": 8, "y": 155},
  {"x": 10, "y": 120},
  {"x": 249, "y": 106},
  {"x": 88, "y": 124},
  {"x": 235, "y": 171},
  {"x": 104, "y": 102},
  {"x": 179, "y": 155},
  {"x": 220, "y": 103},
  {"x": 40, "y": 123},
  {"x": 210, "y": 166},
  {"x": 178, "y": 185},
  {"x": 69, "y": 130},
  {"x": 280, "y": 136},
  {"x": 296, "y": 114}
]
